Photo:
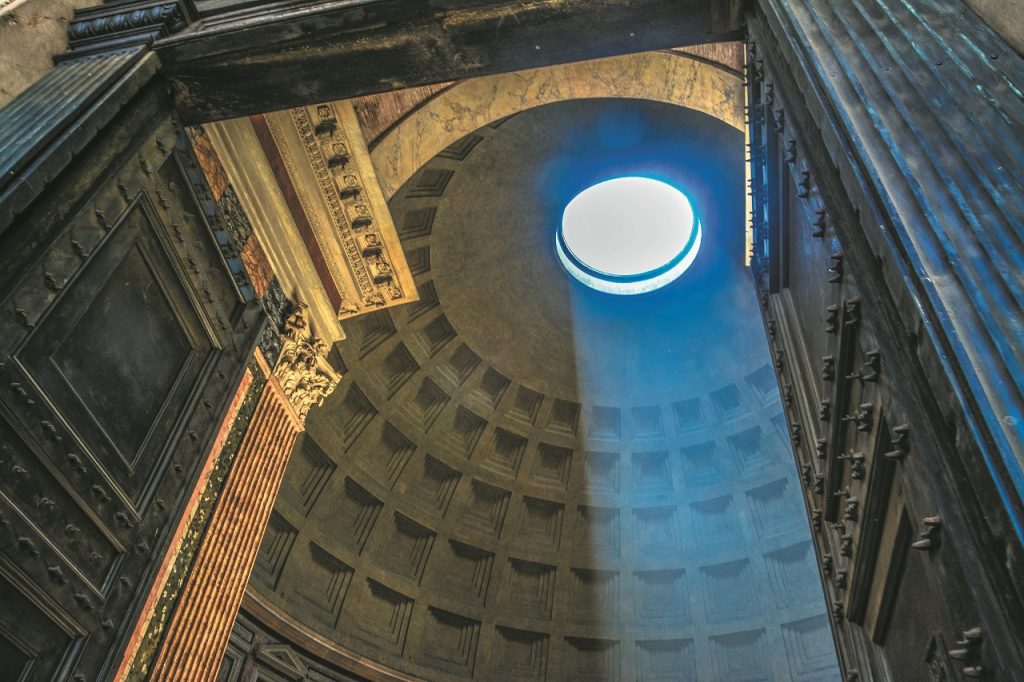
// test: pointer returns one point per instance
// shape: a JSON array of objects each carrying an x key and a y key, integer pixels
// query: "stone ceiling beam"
[{"x": 250, "y": 62}]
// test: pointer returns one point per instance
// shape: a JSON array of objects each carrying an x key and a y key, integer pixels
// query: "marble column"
[{"x": 197, "y": 635}]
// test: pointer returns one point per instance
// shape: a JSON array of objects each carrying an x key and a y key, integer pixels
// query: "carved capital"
[{"x": 305, "y": 375}]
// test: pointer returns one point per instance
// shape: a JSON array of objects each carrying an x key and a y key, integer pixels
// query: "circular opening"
[{"x": 628, "y": 235}]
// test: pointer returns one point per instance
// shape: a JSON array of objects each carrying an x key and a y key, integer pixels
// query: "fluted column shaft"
[{"x": 198, "y": 633}]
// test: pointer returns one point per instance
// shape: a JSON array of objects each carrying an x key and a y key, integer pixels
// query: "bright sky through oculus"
[{"x": 628, "y": 235}]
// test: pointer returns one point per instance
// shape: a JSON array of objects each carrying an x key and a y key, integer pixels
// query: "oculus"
[{"x": 628, "y": 235}]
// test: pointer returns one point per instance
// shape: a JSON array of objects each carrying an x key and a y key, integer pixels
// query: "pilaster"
[{"x": 199, "y": 630}]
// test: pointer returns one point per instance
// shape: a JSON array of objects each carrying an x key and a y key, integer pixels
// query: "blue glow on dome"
[{"x": 628, "y": 235}]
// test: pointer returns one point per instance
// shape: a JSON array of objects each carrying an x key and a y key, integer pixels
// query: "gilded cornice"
[
  {"x": 356, "y": 250},
  {"x": 322, "y": 234}
]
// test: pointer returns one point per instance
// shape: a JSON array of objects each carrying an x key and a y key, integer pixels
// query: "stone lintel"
[{"x": 244, "y": 62}]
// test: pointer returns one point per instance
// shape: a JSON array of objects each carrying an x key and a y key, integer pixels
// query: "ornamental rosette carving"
[{"x": 302, "y": 369}]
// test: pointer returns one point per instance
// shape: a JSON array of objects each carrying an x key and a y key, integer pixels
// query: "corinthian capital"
[{"x": 303, "y": 371}]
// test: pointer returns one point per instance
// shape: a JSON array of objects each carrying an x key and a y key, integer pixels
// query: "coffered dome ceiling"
[{"x": 521, "y": 478}]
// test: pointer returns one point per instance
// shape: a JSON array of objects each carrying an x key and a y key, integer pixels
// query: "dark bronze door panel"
[
  {"x": 119, "y": 353},
  {"x": 122, "y": 337},
  {"x": 878, "y": 325}
]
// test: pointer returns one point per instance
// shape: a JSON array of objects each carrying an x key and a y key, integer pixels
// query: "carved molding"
[
  {"x": 245, "y": 164},
  {"x": 113, "y": 25},
  {"x": 133, "y": 18},
  {"x": 326, "y": 158},
  {"x": 302, "y": 370},
  {"x": 305, "y": 179},
  {"x": 350, "y": 212}
]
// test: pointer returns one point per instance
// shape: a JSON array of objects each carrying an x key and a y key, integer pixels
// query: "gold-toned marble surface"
[
  {"x": 333, "y": 177},
  {"x": 330, "y": 168},
  {"x": 260, "y": 196},
  {"x": 661, "y": 76}
]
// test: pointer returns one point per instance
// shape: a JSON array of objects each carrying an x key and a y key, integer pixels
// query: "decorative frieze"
[
  {"x": 327, "y": 161},
  {"x": 305, "y": 179}
]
